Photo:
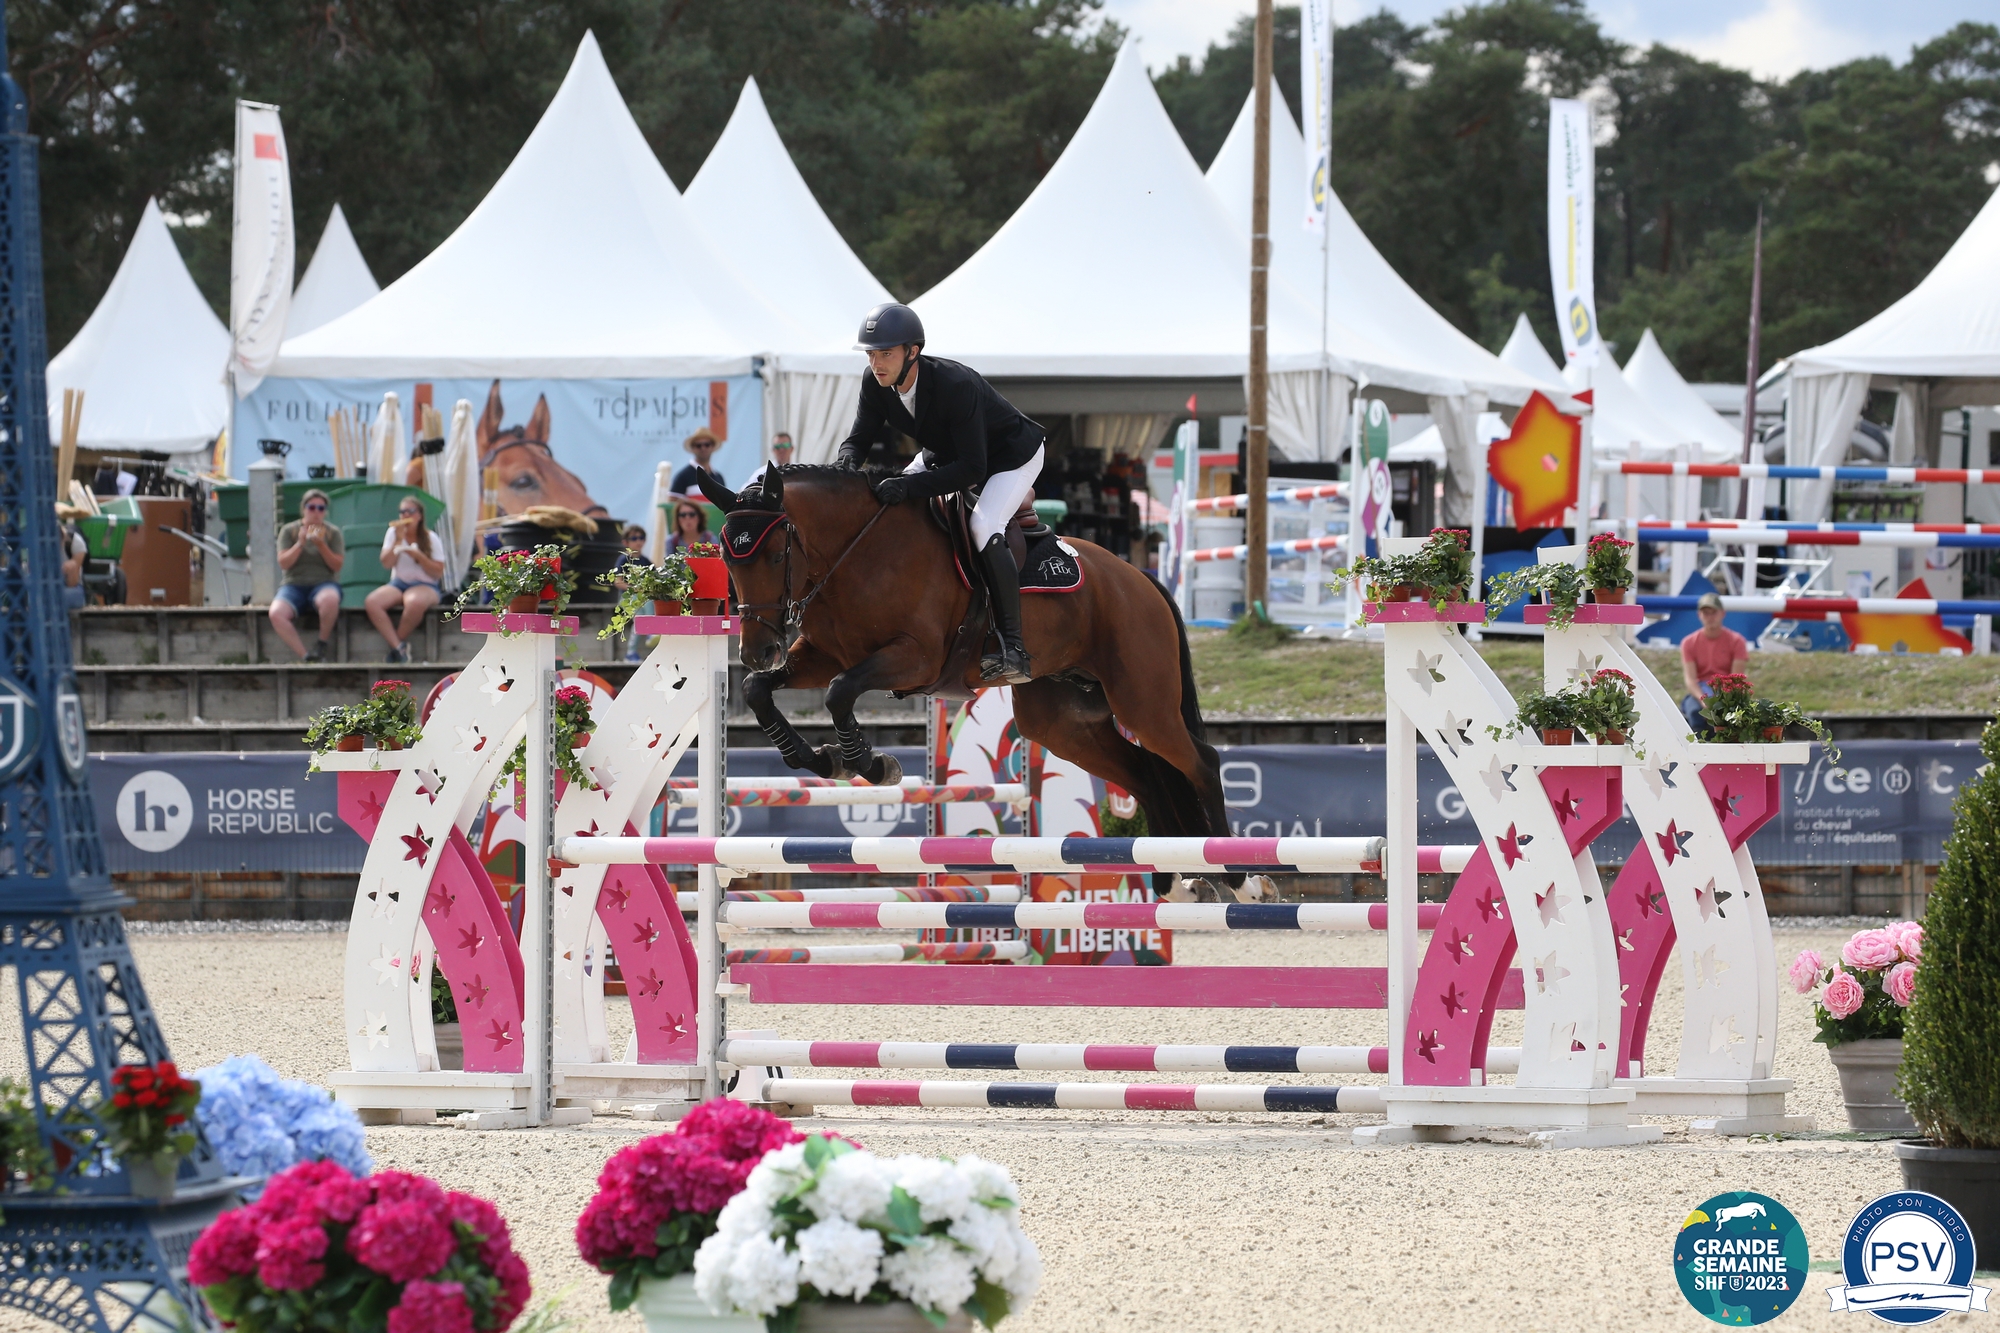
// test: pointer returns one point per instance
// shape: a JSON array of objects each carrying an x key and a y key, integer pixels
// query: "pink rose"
[
  {"x": 402, "y": 1241},
  {"x": 287, "y": 1255},
  {"x": 1873, "y": 950},
  {"x": 1901, "y": 983},
  {"x": 1806, "y": 969},
  {"x": 1909, "y": 937},
  {"x": 432, "y": 1307},
  {"x": 227, "y": 1249},
  {"x": 1843, "y": 995}
]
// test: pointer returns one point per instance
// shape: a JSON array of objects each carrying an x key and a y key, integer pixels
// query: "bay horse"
[{"x": 837, "y": 591}]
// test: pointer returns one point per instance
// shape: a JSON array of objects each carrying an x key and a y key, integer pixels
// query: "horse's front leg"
[
  {"x": 804, "y": 669},
  {"x": 900, "y": 666}
]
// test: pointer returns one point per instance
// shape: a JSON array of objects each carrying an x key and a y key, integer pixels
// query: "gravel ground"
[{"x": 1151, "y": 1220}]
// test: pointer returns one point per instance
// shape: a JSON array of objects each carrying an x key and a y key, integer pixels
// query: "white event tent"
[
  {"x": 336, "y": 281},
  {"x": 1660, "y": 386},
  {"x": 761, "y": 216},
  {"x": 1455, "y": 376},
  {"x": 1122, "y": 267},
  {"x": 1938, "y": 347},
  {"x": 149, "y": 359}
]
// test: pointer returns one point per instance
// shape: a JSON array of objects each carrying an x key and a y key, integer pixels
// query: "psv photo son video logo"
[{"x": 1908, "y": 1259}]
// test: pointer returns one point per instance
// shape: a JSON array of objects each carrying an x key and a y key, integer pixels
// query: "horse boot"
[{"x": 1009, "y": 665}]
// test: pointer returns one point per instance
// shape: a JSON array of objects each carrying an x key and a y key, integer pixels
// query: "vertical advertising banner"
[
  {"x": 587, "y": 445},
  {"x": 1572, "y": 201},
  {"x": 261, "y": 248},
  {"x": 1316, "y": 104}
]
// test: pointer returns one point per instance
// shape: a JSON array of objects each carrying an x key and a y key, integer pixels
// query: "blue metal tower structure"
[{"x": 92, "y": 1255}]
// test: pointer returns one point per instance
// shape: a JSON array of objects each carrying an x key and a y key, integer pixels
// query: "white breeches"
[{"x": 1001, "y": 498}]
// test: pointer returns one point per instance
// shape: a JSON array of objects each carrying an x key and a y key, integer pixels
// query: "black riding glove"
[{"x": 892, "y": 490}]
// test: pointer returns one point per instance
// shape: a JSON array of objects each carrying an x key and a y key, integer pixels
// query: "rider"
[{"x": 967, "y": 435}]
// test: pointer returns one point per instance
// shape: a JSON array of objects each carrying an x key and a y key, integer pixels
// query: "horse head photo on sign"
[{"x": 528, "y": 472}]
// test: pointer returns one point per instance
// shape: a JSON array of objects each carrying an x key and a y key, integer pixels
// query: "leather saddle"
[{"x": 953, "y": 515}]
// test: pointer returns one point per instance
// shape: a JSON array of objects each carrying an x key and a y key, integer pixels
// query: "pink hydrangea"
[
  {"x": 1901, "y": 983},
  {"x": 402, "y": 1241},
  {"x": 484, "y": 1220},
  {"x": 1909, "y": 937},
  {"x": 432, "y": 1307},
  {"x": 288, "y": 1254},
  {"x": 294, "y": 1192},
  {"x": 227, "y": 1249},
  {"x": 515, "y": 1289},
  {"x": 1843, "y": 995},
  {"x": 402, "y": 1187},
  {"x": 1806, "y": 969},
  {"x": 1874, "y": 950},
  {"x": 341, "y": 1200}
]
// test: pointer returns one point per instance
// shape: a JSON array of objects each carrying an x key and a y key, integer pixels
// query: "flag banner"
[
  {"x": 1572, "y": 251},
  {"x": 1316, "y": 104},
  {"x": 587, "y": 445},
  {"x": 261, "y": 248}
]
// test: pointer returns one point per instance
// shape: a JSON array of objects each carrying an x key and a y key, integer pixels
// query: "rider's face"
[{"x": 886, "y": 364}]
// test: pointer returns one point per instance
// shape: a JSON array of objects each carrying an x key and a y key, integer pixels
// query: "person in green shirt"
[{"x": 310, "y": 552}]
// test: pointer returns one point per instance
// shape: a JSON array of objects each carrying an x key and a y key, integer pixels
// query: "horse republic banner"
[
  {"x": 215, "y": 812},
  {"x": 587, "y": 445}
]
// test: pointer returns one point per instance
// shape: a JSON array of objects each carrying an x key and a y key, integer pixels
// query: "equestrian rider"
[{"x": 968, "y": 436}]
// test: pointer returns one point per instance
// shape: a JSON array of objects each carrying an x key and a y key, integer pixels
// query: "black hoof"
[
  {"x": 825, "y": 762},
  {"x": 884, "y": 772}
]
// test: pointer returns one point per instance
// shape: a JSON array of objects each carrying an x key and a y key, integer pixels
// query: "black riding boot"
[{"x": 1010, "y": 664}]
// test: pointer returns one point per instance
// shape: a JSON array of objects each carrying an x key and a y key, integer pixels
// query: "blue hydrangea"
[{"x": 259, "y": 1122}]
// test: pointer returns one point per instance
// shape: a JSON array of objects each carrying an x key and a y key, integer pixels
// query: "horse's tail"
[{"x": 1190, "y": 703}]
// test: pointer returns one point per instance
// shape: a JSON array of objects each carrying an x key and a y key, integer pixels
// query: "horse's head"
[
  {"x": 528, "y": 473},
  {"x": 780, "y": 539}
]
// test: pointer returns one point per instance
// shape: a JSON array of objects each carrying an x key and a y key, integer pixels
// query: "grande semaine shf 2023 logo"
[{"x": 1741, "y": 1258}]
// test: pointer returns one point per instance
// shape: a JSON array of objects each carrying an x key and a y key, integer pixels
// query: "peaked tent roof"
[
  {"x": 1363, "y": 289},
  {"x": 336, "y": 281},
  {"x": 581, "y": 262},
  {"x": 150, "y": 357},
  {"x": 1621, "y": 421},
  {"x": 1120, "y": 264},
  {"x": 1947, "y": 327},
  {"x": 1524, "y": 351},
  {"x": 1661, "y": 386},
  {"x": 760, "y": 215}
]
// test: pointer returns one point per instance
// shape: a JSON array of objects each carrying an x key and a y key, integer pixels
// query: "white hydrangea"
[
  {"x": 776, "y": 1174},
  {"x": 934, "y": 1273},
  {"x": 989, "y": 1180},
  {"x": 854, "y": 1187},
  {"x": 743, "y": 1216},
  {"x": 988, "y": 1234},
  {"x": 942, "y": 1192},
  {"x": 763, "y": 1275},
  {"x": 1025, "y": 1279},
  {"x": 711, "y": 1271},
  {"x": 839, "y": 1258}
]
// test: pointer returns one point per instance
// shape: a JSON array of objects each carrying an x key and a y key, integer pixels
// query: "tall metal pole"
[
  {"x": 1751, "y": 372},
  {"x": 1257, "y": 444}
]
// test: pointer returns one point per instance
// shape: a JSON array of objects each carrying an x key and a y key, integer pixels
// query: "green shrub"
[{"x": 1951, "y": 1037}]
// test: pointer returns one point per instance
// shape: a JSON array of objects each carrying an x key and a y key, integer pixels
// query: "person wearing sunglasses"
[
  {"x": 690, "y": 527},
  {"x": 310, "y": 552},
  {"x": 414, "y": 557}
]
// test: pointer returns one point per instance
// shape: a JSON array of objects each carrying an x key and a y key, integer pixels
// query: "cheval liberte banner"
[
  {"x": 1885, "y": 802},
  {"x": 587, "y": 445}
]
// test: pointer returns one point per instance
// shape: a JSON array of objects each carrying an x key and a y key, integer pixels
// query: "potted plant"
[
  {"x": 658, "y": 1200},
  {"x": 519, "y": 582},
  {"x": 259, "y": 1122},
  {"x": 661, "y": 590},
  {"x": 1387, "y": 578},
  {"x": 574, "y": 726},
  {"x": 1951, "y": 1058},
  {"x": 388, "y": 1253},
  {"x": 1860, "y": 1007},
  {"x": 1553, "y": 717},
  {"x": 1560, "y": 585},
  {"x": 1607, "y": 568},
  {"x": 1736, "y": 716},
  {"x": 1607, "y": 711},
  {"x": 1444, "y": 565},
  {"x": 388, "y": 717},
  {"x": 150, "y": 1124},
  {"x": 711, "y": 577},
  {"x": 828, "y": 1236},
  {"x": 25, "y": 1161}
]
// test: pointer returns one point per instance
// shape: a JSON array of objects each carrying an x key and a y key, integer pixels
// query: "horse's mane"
[{"x": 809, "y": 474}]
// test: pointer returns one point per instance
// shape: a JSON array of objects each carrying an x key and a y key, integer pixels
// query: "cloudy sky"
[{"x": 1770, "y": 37}]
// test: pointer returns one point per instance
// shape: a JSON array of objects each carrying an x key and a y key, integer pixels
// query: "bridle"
[{"x": 793, "y": 608}]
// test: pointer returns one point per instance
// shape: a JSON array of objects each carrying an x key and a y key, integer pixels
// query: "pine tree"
[{"x": 1951, "y": 1041}]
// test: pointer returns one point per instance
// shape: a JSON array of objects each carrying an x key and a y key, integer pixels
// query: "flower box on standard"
[
  {"x": 388, "y": 716},
  {"x": 522, "y": 582},
  {"x": 386, "y": 1253}
]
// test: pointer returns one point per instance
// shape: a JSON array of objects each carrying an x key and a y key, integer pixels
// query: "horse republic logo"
[
  {"x": 1741, "y": 1258},
  {"x": 1908, "y": 1259},
  {"x": 155, "y": 811}
]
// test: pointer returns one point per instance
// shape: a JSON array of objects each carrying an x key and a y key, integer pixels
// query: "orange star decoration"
[
  {"x": 1913, "y": 634},
  {"x": 1539, "y": 463}
]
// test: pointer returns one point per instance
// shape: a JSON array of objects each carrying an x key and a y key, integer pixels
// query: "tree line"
[{"x": 921, "y": 125}]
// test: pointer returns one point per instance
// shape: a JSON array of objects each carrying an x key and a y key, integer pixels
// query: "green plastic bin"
[
  {"x": 363, "y": 515},
  {"x": 105, "y": 534}
]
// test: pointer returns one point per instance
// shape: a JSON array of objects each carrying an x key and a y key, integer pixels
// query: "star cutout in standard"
[
  {"x": 1652, "y": 902},
  {"x": 417, "y": 847},
  {"x": 476, "y": 991},
  {"x": 1673, "y": 842},
  {"x": 1622, "y": 1001},
  {"x": 1728, "y": 806},
  {"x": 385, "y": 904},
  {"x": 376, "y": 1029},
  {"x": 440, "y": 900},
  {"x": 470, "y": 940},
  {"x": 1710, "y": 900},
  {"x": 1426, "y": 672},
  {"x": 1658, "y": 779},
  {"x": 1455, "y": 726},
  {"x": 1511, "y": 844},
  {"x": 1566, "y": 806},
  {"x": 471, "y": 740},
  {"x": 1708, "y": 969},
  {"x": 371, "y": 807},
  {"x": 1562, "y": 1042},
  {"x": 501, "y": 1034},
  {"x": 645, "y": 736},
  {"x": 647, "y": 935},
  {"x": 651, "y": 984},
  {"x": 615, "y": 897},
  {"x": 1722, "y": 1032},
  {"x": 498, "y": 682},
  {"x": 566, "y": 965},
  {"x": 1584, "y": 669},
  {"x": 1549, "y": 974},
  {"x": 670, "y": 683},
  {"x": 1459, "y": 946},
  {"x": 1492, "y": 907},
  {"x": 605, "y": 778},
  {"x": 429, "y": 784},
  {"x": 1551, "y": 905},
  {"x": 1498, "y": 777},
  {"x": 1454, "y": 1003},
  {"x": 1428, "y": 1046},
  {"x": 675, "y": 1026},
  {"x": 1625, "y": 939},
  {"x": 388, "y": 967}
]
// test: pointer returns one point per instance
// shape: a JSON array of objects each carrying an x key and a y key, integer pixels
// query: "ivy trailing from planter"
[
  {"x": 573, "y": 722},
  {"x": 672, "y": 580},
  {"x": 1736, "y": 716},
  {"x": 1561, "y": 585},
  {"x": 504, "y": 576},
  {"x": 1540, "y": 713}
]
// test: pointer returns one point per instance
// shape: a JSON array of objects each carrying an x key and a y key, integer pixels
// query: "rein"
[{"x": 794, "y": 608}]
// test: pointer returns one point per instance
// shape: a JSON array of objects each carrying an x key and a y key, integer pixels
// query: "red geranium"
[
  {"x": 428, "y": 1260},
  {"x": 150, "y": 1106}
]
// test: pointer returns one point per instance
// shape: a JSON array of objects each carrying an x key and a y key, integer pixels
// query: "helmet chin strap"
[{"x": 909, "y": 364}]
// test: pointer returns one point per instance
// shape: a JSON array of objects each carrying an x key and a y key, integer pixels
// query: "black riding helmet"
[{"x": 889, "y": 325}]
